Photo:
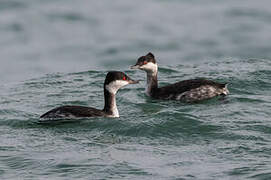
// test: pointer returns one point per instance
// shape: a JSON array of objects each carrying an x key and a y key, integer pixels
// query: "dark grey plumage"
[
  {"x": 188, "y": 90},
  {"x": 113, "y": 81},
  {"x": 73, "y": 111}
]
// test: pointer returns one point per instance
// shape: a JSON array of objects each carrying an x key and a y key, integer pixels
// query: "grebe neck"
[
  {"x": 110, "y": 104},
  {"x": 152, "y": 83}
]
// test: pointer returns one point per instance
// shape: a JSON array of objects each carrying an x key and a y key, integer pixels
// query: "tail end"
[{"x": 225, "y": 90}]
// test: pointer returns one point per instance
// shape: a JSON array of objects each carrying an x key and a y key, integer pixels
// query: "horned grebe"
[
  {"x": 187, "y": 91},
  {"x": 113, "y": 82}
]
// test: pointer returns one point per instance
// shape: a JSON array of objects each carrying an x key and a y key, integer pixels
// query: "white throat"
[
  {"x": 151, "y": 70},
  {"x": 115, "y": 110},
  {"x": 151, "y": 82},
  {"x": 114, "y": 86}
]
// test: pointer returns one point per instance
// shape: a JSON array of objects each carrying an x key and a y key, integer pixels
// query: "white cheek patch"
[
  {"x": 150, "y": 66},
  {"x": 114, "y": 86}
]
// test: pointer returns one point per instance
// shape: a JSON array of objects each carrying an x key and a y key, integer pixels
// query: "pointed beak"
[
  {"x": 131, "y": 81},
  {"x": 135, "y": 67}
]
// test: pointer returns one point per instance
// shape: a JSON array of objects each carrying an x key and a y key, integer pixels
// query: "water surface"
[{"x": 57, "y": 53}]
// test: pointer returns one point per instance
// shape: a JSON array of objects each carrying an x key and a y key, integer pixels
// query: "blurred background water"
[{"x": 57, "y": 52}]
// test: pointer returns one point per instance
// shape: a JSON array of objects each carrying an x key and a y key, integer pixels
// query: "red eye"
[
  {"x": 145, "y": 62},
  {"x": 124, "y": 78}
]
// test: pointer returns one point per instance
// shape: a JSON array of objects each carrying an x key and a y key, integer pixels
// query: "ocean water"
[{"x": 58, "y": 52}]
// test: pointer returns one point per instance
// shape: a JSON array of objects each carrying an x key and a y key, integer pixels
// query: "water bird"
[
  {"x": 192, "y": 90},
  {"x": 113, "y": 82}
]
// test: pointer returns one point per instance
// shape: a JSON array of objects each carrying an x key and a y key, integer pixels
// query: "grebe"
[
  {"x": 113, "y": 82},
  {"x": 192, "y": 90}
]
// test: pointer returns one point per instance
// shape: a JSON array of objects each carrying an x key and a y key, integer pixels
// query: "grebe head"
[
  {"x": 115, "y": 80},
  {"x": 146, "y": 63}
]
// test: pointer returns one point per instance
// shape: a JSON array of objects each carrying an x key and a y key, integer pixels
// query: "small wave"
[
  {"x": 8, "y": 5},
  {"x": 250, "y": 13},
  {"x": 262, "y": 174},
  {"x": 67, "y": 16}
]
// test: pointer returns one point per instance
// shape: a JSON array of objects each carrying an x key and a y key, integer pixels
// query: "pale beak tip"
[
  {"x": 134, "y": 67},
  {"x": 134, "y": 81}
]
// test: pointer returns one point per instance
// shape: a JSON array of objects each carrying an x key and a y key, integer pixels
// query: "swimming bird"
[
  {"x": 113, "y": 82},
  {"x": 191, "y": 90}
]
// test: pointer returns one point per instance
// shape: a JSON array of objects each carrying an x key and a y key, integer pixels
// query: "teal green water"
[
  {"x": 216, "y": 139},
  {"x": 58, "y": 52}
]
